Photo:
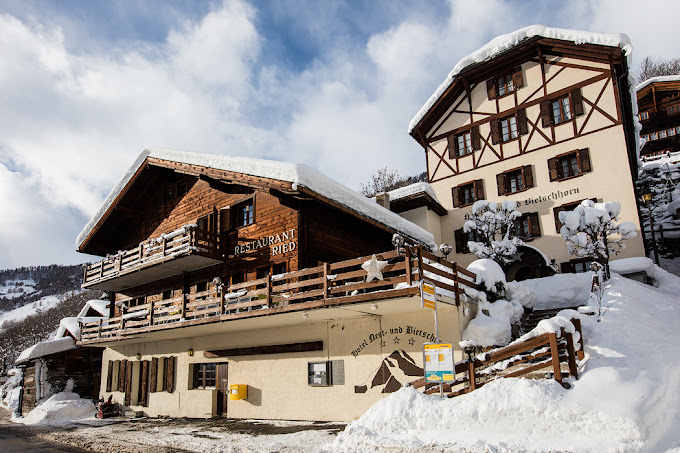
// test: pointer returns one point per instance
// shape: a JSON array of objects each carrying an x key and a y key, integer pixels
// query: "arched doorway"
[{"x": 530, "y": 263}]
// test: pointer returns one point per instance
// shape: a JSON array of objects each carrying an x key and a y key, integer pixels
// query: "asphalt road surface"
[{"x": 19, "y": 438}]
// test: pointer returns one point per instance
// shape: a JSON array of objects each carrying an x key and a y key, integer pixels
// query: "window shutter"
[
  {"x": 153, "y": 375},
  {"x": 109, "y": 376},
  {"x": 451, "y": 140},
  {"x": 522, "y": 122},
  {"x": 476, "y": 142},
  {"x": 494, "y": 131},
  {"x": 128, "y": 383},
  {"x": 479, "y": 190},
  {"x": 527, "y": 176},
  {"x": 584, "y": 160},
  {"x": 144, "y": 383},
  {"x": 225, "y": 219},
  {"x": 567, "y": 268},
  {"x": 545, "y": 113},
  {"x": 491, "y": 88},
  {"x": 577, "y": 102},
  {"x": 534, "y": 226},
  {"x": 170, "y": 374},
  {"x": 459, "y": 238},
  {"x": 552, "y": 167},
  {"x": 456, "y": 197},
  {"x": 517, "y": 78},
  {"x": 500, "y": 182},
  {"x": 122, "y": 366}
]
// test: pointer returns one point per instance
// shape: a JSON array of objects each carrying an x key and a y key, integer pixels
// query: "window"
[
  {"x": 646, "y": 137},
  {"x": 167, "y": 294},
  {"x": 576, "y": 265},
  {"x": 319, "y": 374},
  {"x": 468, "y": 193},
  {"x": 244, "y": 214},
  {"x": 504, "y": 84},
  {"x": 562, "y": 109},
  {"x": 181, "y": 188},
  {"x": 515, "y": 180},
  {"x": 569, "y": 165},
  {"x": 168, "y": 194},
  {"x": 278, "y": 268},
  {"x": 677, "y": 129},
  {"x": 527, "y": 227},
  {"x": 207, "y": 223},
  {"x": 136, "y": 301},
  {"x": 462, "y": 238},
  {"x": 238, "y": 277},
  {"x": 662, "y": 134},
  {"x": 205, "y": 375},
  {"x": 673, "y": 109},
  {"x": 671, "y": 132},
  {"x": 654, "y": 136},
  {"x": 643, "y": 116},
  {"x": 201, "y": 287},
  {"x": 464, "y": 143},
  {"x": 262, "y": 272},
  {"x": 509, "y": 128}
]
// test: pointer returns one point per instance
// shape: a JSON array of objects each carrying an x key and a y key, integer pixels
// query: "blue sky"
[{"x": 85, "y": 86}]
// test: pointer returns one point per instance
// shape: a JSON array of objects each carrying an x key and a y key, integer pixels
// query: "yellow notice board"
[
  {"x": 438, "y": 362},
  {"x": 428, "y": 298}
]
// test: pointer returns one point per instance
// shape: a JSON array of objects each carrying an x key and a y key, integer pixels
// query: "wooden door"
[{"x": 222, "y": 388}]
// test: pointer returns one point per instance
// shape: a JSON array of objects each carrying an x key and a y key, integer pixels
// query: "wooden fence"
[
  {"x": 330, "y": 284},
  {"x": 546, "y": 351}
]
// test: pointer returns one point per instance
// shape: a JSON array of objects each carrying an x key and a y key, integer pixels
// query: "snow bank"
[
  {"x": 505, "y": 42},
  {"x": 560, "y": 291},
  {"x": 494, "y": 329},
  {"x": 626, "y": 398},
  {"x": 58, "y": 409},
  {"x": 297, "y": 174},
  {"x": 46, "y": 348}
]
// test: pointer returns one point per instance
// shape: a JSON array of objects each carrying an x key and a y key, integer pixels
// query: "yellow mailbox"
[{"x": 238, "y": 391}]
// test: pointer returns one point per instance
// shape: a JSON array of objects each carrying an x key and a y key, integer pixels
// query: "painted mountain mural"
[{"x": 393, "y": 367}]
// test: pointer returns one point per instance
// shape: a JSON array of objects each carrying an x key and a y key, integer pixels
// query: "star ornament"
[{"x": 374, "y": 268}]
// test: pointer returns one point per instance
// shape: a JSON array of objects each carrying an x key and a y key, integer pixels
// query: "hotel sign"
[
  {"x": 278, "y": 243},
  {"x": 438, "y": 362}
]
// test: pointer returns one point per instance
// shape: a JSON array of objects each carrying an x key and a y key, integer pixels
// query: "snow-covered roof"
[
  {"x": 506, "y": 42},
  {"x": 46, "y": 348},
  {"x": 668, "y": 78},
  {"x": 413, "y": 189},
  {"x": 71, "y": 325},
  {"x": 297, "y": 174},
  {"x": 98, "y": 305}
]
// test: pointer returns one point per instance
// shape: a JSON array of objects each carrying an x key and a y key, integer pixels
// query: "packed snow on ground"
[
  {"x": 626, "y": 398},
  {"x": 15, "y": 288},
  {"x": 29, "y": 309},
  {"x": 60, "y": 408}
]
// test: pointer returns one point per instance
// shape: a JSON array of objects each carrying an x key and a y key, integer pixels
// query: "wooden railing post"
[
  {"x": 555, "y": 355},
  {"x": 269, "y": 290},
  {"x": 165, "y": 243},
  {"x": 571, "y": 356},
  {"x": 221, "y": 295},
  {"x": 151, "y": 313},
  {"x": 99, "y": 329},
  {"x": 577, "y": 324},
  {"x": 141, "y": 252},
  {"x": 420, "y": 263},
  {"x": 472, "y": 381},
  {"x": 409, "y": 269},
  {"x": 101, "y": 269},
  {"x": 326, "y": 272},
  {"x": 454, "y": 270}
]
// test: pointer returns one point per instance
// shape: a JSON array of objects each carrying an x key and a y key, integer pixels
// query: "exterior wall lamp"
[
  {"x": 138, "y": 356},
  {"x": 445, "y": 249},
  {"x": 398, "y": 242},
  {"x": 190, "y": 352}
]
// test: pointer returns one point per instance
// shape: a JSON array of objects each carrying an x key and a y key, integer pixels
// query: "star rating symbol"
[
  {"x": 411, "y": 341},
  {"x": 374, "y": 268},
  {"x": 396, "y": 340},
  {"x": 382, "y": 343}
]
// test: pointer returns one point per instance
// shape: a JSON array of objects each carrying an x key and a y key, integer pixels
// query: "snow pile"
[
  {"x": 559, "y": 291},
  {"x": 503, "y": 43},
  {"x": 630, "y": 265},
  {"x": 489, "y": 274},
  {"x": 626, "y": 398},
  {"x": 46, "y": 348},
  {"x": 521, "y": 293},
  {"x": 59, "y": 408},
  {"x": 9, "y": 391},
  {"x": 297, "y": 174}
]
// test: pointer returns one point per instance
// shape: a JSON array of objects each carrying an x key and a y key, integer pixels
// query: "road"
[{"x": 20, "y": 438}]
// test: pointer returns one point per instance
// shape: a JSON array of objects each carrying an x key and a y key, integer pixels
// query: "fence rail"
[
  {"x": 546, "y": 351},
  {"x": 329, "y": 284},
  {"x": 186, "y": 240}
]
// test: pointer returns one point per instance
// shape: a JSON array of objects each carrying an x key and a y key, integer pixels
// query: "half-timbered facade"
[
  {"x": 543, "y": 117},
  {"x": 231, "y": 271},
  {"x": 659, "y": 113}
]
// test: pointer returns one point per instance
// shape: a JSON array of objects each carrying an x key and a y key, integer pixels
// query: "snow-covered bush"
[
  {"x": 492, "y": 225},
  {"x": 490, "y": 276},
  {"x": 493, "y": 324},
  {"x": 589, "y": 230}
]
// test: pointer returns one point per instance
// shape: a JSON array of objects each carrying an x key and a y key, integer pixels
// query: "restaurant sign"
[{"x": 278, "y": 243}]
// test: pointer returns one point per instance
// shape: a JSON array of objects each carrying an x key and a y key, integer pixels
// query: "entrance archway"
[{"x": 531, "y": 263}]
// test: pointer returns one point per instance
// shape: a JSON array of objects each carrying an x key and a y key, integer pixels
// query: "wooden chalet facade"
[
  {"x": 539, "y": 119},
  {"x": 659, "y": 113},
  {"x": 231, "y": 271}
]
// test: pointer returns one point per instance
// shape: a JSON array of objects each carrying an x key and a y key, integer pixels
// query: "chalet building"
[
  {"x": 659, "y": 113},
  {"x": 258, "y": 289},
  {"x": 543, "y": 117}
]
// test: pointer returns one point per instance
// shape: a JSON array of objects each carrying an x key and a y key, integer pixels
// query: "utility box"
[{"x": 238, "y": 392}]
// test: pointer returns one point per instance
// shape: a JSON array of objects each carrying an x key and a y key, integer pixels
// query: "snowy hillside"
[{"x": 626, "y": 398}]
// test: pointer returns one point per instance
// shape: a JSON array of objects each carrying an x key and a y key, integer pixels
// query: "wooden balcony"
[
  {"x": 328, "y": 285},
  {"x": 182, "y": 250}
]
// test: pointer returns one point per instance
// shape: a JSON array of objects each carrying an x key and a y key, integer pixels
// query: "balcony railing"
[
  {"x": 322, "y": 286},
  {"x": 188, "y": 240}
]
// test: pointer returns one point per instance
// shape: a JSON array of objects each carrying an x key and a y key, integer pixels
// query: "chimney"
[{"x": 383, "y": 199}]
